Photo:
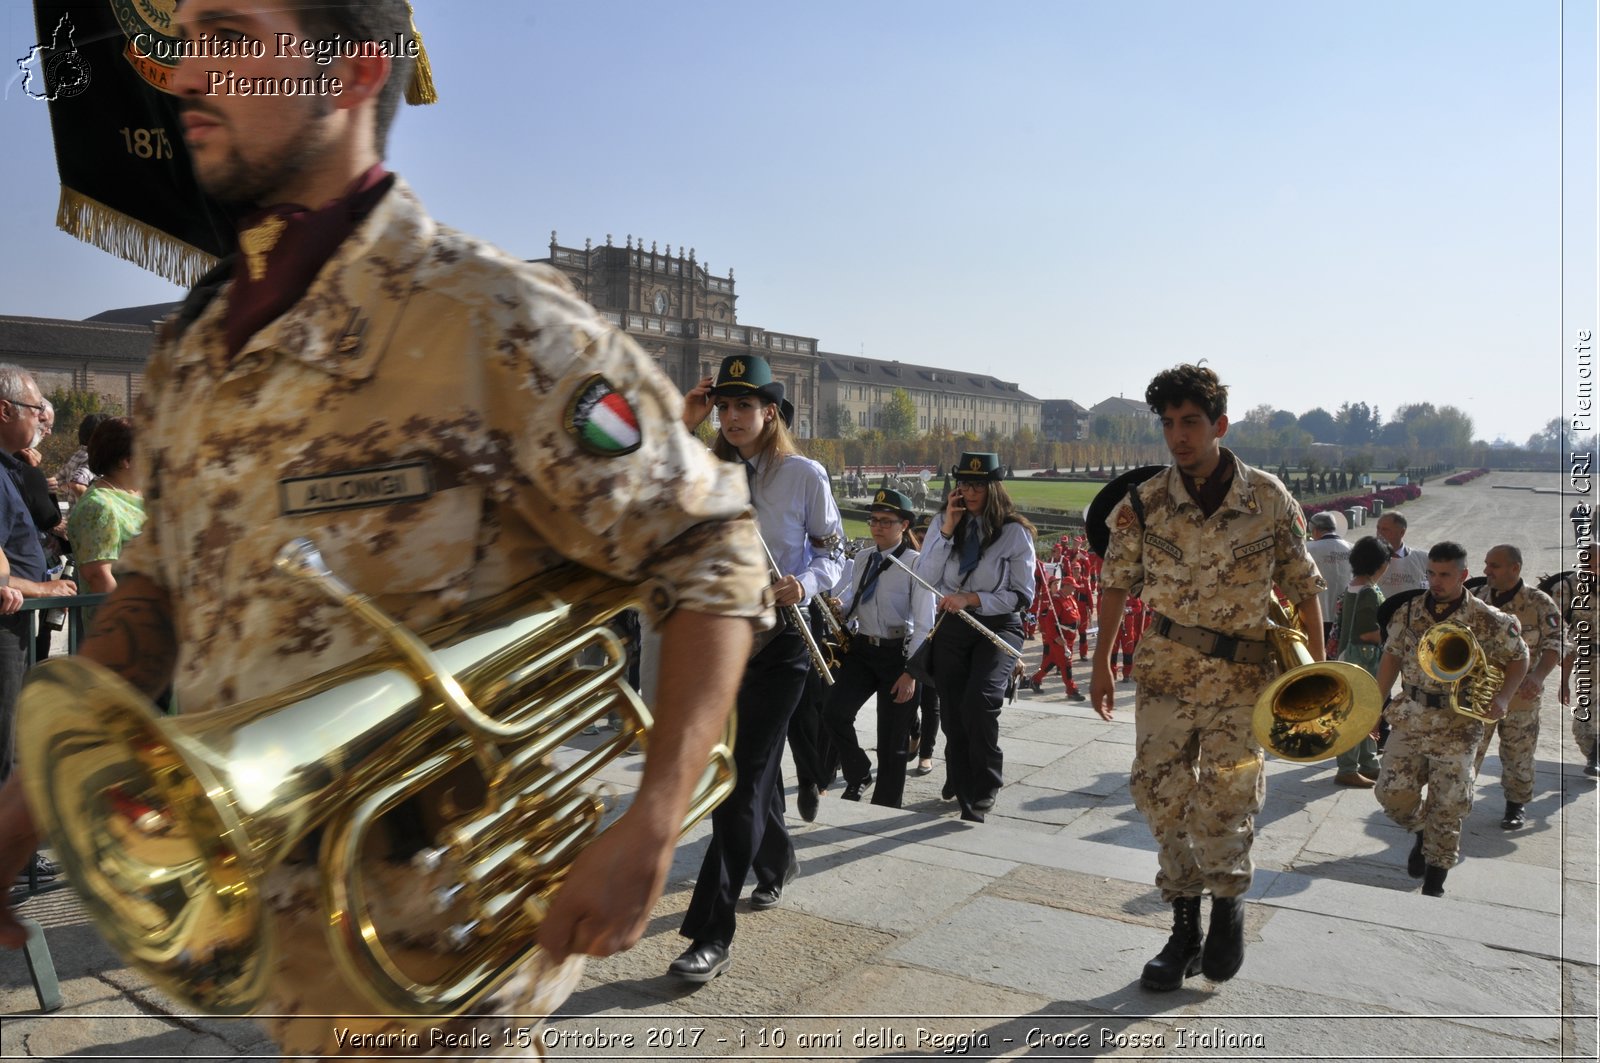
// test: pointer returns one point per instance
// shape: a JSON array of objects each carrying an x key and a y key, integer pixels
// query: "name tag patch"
[
  {"x": 380, "y": 485},
  {"x": 1152, "y": 539},
  {"x": 1242, "y": 552}
]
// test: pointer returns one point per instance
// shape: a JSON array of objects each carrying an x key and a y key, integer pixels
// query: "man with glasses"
[{"x": 22, "y": 561}]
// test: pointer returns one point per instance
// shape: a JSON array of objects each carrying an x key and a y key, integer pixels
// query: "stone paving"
[{"x": 912, "y": 934}]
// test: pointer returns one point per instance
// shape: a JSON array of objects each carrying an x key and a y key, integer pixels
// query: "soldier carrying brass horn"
[
  {"x": 447, "y": 422},
  {"x": 1207, "y": 538}
]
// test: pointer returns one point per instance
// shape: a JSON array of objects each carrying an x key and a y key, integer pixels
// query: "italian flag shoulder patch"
[{"x": 601, "y": 420}]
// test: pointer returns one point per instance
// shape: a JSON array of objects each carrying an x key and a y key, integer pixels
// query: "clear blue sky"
[{"x": 1351, "y": 202}]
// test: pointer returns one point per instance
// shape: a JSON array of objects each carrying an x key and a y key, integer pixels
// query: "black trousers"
[
  {"x": 870, "y": 670},
  {"x": 816, "y": 760},
  {"x": 747, "y": 829},
  {"x": 972, "y": 674},
  {"x": 928, "y": 729}
]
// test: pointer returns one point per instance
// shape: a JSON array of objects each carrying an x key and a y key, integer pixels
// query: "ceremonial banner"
[{"x": 105, "y": 68}]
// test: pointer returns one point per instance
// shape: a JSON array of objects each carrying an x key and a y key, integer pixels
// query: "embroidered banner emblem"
[
  {"x": 1242, "y": 552},
  {"x": 602, "y": 421},
  {"x": 380, "y": 485},
  {"x": 1152, "y": 539}
]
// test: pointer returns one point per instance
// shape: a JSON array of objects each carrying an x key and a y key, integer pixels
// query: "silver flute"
[
  {"x": 999, "y": 642},
  {"x": 798, "y": 618}
]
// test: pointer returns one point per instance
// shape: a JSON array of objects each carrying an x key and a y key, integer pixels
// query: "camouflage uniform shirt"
[
  {"x": 1498, "y": 633},
  {"x": 1540, "y": 620},
  {"x": 427, "y": 413},
  {"x": 1214, "y": 572}
]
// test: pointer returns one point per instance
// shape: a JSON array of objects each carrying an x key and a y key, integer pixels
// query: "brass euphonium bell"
[
  {"x": 167, "y": 826},
  {"x": 1314, "y": 709},
  {"x": 1449, "y": 653}
]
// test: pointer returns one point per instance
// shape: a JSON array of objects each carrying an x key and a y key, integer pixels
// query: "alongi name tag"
[{"x": 381, "y": 485}]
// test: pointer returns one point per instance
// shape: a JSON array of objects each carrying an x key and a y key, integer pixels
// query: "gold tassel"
[
  {"x": 130, "y": 239},
  {"x": 421, "y": 89}
]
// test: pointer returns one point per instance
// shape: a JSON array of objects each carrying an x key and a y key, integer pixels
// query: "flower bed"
[
  {"x": 1465, "y": 477},
  {"x": 1390, "y": 496}
]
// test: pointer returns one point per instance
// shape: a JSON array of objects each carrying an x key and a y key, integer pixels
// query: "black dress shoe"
[
  {"x": 949, "y": 791},
  {"x": 701, "y": 962},
  {"x": 764, "y": 897},
  {"x": 969, "y": 813},
  {"x": 1513, "y": 818},
  {"x": 807, "y": 801},
  {"x": 984, "y": 803},
  {"x": 1223, "y": 953},
  {"x": 1415, "y": 864}
]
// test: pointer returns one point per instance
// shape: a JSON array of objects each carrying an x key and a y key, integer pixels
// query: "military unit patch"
[
  {"x": 601, "y": 420},
  {"x": 1152, "y": 539}
]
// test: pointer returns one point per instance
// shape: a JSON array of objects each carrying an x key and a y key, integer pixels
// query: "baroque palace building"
[{"x": 686, "y": 318}]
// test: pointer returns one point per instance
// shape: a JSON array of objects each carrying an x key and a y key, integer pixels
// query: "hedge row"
[
  {"x": 1390, "y": 497},
  {"x": 1464, "y": 477}
]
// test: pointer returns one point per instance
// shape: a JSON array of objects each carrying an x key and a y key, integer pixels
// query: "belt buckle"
[{"x": 1224, "y": 646}]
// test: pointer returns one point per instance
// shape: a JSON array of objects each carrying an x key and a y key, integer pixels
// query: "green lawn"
[{"x": 1047, "y": 494}]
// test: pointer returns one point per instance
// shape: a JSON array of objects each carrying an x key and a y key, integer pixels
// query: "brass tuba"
[
  {"x": 1449, "y": 653},
  {"x": 1314, "y": 709},
  {"x": 167, "y": 826}
]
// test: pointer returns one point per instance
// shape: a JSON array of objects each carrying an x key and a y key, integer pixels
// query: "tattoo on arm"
[{"x": 133, "y": 636}]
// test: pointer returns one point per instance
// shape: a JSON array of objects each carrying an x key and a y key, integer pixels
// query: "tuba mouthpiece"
[{"x": 300, "y": 557}]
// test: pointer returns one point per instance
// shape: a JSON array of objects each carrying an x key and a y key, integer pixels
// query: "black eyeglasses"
[
  {"x": 38, "y": 411},
  {"x": 883, "y": 522}
]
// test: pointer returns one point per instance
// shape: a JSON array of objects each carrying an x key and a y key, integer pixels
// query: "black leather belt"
[
  {"x": 874, "y": 640},
  {"x": 1425, "y": 697},
  {"x": 1213, "y": 643}
]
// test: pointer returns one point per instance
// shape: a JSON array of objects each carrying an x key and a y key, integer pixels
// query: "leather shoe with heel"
[
  {"x": 764, "y": 897},
  {"x": 701, "y": 962},
  {"x": 806, "y": 799}
]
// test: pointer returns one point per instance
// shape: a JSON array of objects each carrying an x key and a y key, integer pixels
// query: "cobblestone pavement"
[{"x": 911, "y": 934}]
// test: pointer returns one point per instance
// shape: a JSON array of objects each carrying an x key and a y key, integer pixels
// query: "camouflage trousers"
[
  {"x": 1432, "y": 749},
  {"x": 1583, "y": 729},
  {"x": 1519, "y": 740},
  {"x": 1198, "y": 780},
  {"x": 312, "y": 1013}
]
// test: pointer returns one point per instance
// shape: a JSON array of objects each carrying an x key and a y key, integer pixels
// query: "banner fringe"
[{"x": 130, "y": 239}]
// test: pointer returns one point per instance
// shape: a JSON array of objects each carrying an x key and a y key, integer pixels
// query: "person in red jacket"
[{"x": 1058, "y": 617}]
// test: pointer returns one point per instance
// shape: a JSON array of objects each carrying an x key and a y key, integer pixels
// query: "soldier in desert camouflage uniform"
[
  {"x": 1545, "y": 635},
  {"x": 445, "y": 421},
  {"x": 1431, "y": 746},
  {"x": 1577, "y": 595},
  {"x": 1207, "y": 538}
]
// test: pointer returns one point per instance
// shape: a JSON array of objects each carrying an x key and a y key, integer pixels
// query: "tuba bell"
[
  {"x": 1449, "y": 653},
  {"x": 167, "y": 826},
  {"x": 1314, "y": 709}
]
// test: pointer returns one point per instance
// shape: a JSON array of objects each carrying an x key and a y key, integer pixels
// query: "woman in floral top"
[{"x": 112, "y": 512}]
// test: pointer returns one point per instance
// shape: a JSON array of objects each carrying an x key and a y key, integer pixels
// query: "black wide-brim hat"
[
  {"x": 888, "y": 500},
  {"x": 1100, "y": 507},
  {"x": 977, "y": 465},
  {"x": 747, "y": 374},
  {"x": 1387, "y": 609}
]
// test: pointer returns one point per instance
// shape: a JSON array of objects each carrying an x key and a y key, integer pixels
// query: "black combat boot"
[
  {"x": 1180, "y": 957},
  {"x": 1224, "y": 952},
  {"x": 1433, "y": 884},
  {"x": 1513, "y": 817},
  {"x": 1591, "y": 764},
  {"x": 1415, "y": 863}
]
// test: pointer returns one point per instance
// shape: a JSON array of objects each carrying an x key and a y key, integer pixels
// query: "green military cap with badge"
[
  {"x": 978, "y": 465},
  {"x": 747, "y": 374},
  {"x": 888, "y": 500}
]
